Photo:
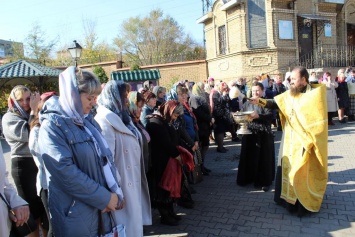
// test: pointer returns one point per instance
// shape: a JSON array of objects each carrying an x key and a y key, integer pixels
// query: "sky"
[{"x": 63, "y": 19}]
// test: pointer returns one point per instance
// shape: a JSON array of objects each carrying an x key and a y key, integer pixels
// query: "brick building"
[{"x": 249, "y": 37}]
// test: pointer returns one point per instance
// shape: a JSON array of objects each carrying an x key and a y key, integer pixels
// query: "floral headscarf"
[
  {"x": 111, "y": 98},
  {"x": 13, "y": 104},
  {"x": 132, "y": 107},
  {"x": 166, "y": 110},
  {"x": 132, "y": 103},
  {"x": 197, "y": 91},
  {"x": 173, "y": 92},
  {"x": 198, "y": 97}
]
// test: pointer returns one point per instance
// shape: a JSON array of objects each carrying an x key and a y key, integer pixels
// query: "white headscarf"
[{"x": 69, "y": 98}]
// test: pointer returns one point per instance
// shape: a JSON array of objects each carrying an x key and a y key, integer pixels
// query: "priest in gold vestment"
[{"x": 302, "y": 173}]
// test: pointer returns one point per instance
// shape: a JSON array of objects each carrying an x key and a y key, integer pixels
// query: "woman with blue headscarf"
[
  {"x": 83, "y": 186},
  {"x": 125, "y": 142}
]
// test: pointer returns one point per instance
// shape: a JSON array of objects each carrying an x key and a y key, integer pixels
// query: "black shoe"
[
  {"x": 235, "y": 139},
  {"x": 205, "y": 173},
  {"x": 168, "y": 220},
  {"x": 205, "y": 170},
  {"x": 186, "y": 203},
  {"x": 223, "y": 150},
  {"x": 302, "y": 211},
  {"x": 175, "y": 216},
  {"x": 342, "y": 120},
  {"x": 192, "y": 190},
  {"x": 265, "y": 188}
]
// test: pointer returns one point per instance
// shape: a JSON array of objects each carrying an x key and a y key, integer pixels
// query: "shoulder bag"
[{"x": 26, "y": 228}]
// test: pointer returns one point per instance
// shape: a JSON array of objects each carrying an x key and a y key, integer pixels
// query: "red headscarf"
[{"x": 167, "y": 109}]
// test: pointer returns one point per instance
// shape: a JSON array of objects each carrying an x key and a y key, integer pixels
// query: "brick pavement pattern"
[{"x": 224, "y": 209}]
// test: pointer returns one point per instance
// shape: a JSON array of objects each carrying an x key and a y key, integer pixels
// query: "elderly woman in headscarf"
[
  {"x": 136, "y": 102},
  {"x": 201, "y": 110},
  {"x": 164, "y": 142},
  {"x": 83, "y": 187},
  {"x": 22, "y": 107},
  {"x": 125, "y": 142},
  {"x": 149, "y": 106},
  {"x": 187, "y": 129},
  {"x": 186, "y": 124},
  {"x": 160, "y": 92}
]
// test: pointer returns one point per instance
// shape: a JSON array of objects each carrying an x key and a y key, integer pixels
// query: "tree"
[
  {"x": 153, "y": 39},
  {"x": 94, "y": 52},
  {"x": 16, "y": 52},
  {"x": 37, "y": 47},
  {"x": 100, "y": 73}
]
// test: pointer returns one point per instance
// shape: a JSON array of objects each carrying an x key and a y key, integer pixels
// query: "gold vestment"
[{"x": 304, "y": 147}]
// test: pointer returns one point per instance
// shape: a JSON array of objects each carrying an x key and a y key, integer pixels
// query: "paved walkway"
[{"x": 225, "y": 209}]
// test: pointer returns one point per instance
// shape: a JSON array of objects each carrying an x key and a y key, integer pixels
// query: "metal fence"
[
  {"x": 160, "y": 59},
  {"x": 325, "y": 55}
]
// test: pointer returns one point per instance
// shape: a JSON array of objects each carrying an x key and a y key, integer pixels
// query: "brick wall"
[{"x": 190, "y": 70}]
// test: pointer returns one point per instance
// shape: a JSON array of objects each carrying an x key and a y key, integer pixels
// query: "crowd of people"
[{"x": 100, "y": 157}]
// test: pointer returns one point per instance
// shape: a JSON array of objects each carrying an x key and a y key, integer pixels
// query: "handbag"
[
  {"x": 26, "y": 228},
  {"x": 116, "y": 230},
  {"x": 196, "y": 175}
]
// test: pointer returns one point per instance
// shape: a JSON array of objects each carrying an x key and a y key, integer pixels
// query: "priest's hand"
[
  {"x": 253, "y": 100},
  {"x": 254, "y": 115}
]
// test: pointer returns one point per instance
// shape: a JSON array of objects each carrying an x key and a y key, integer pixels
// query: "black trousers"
[{"x": 24, "y": 172}]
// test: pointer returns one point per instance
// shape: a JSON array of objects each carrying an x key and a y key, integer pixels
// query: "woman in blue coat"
[{"x": 74, "y": 152}]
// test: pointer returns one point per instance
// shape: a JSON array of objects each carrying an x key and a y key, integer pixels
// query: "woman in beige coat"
[
  {"x": 125, "y": 142},
  {"x": 332, "y": 98},
  {"x": 19, "y": 206}
]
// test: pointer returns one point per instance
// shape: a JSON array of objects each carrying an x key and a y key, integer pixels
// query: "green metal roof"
[
  {"x": 136, "y": 75},
  {"x": 23, "y": 68}
]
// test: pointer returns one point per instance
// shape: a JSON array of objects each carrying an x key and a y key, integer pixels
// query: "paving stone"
[{"x": 225, "y": 209}]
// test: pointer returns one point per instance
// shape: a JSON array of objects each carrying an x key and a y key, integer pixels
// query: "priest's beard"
[{"x": 297, "y": 90}]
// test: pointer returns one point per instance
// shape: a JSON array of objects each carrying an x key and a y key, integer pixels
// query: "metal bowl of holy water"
[{"x": 242, "y": 119}]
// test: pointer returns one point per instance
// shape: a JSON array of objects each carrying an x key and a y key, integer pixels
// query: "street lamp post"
[{"x": 75, "y": 52}]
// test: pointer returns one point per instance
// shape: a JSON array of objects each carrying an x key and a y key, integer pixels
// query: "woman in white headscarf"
[
  {"x": 125, "y": 142},
  {"x": 83, "y": 186}
]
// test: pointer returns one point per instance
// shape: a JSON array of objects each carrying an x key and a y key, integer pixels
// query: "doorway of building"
[
  {"x": 305, "y": 40},
  {"x": 351, "y": 34}
]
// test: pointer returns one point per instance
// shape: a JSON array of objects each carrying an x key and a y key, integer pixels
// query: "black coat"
[
  {"x": 202, "y": 112},
  {"x": 163, "y": 143},
  {"x": 257, "y": 156},
  {"x": 279, "y": 88},
  {"x": 343, "y": 95}
]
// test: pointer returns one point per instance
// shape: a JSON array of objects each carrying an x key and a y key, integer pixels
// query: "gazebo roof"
[
  {"x": 23, "y": 68},
  {"x": 136, "y": 75}
]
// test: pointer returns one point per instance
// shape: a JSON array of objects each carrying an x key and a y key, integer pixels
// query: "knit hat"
[{"x": 48, "y": 94}]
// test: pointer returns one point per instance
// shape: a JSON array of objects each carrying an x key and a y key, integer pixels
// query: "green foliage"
[
  {"x": 3, "y": 99},
  {"x": 100, "y": 73},
  {"x": 134, "y": 67},
  {"x": 153, "y": 39},
  {"x": 37, "y": 47},
  {"x": 17, "y": 52},
  {"x": 94, "y": 51}
]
